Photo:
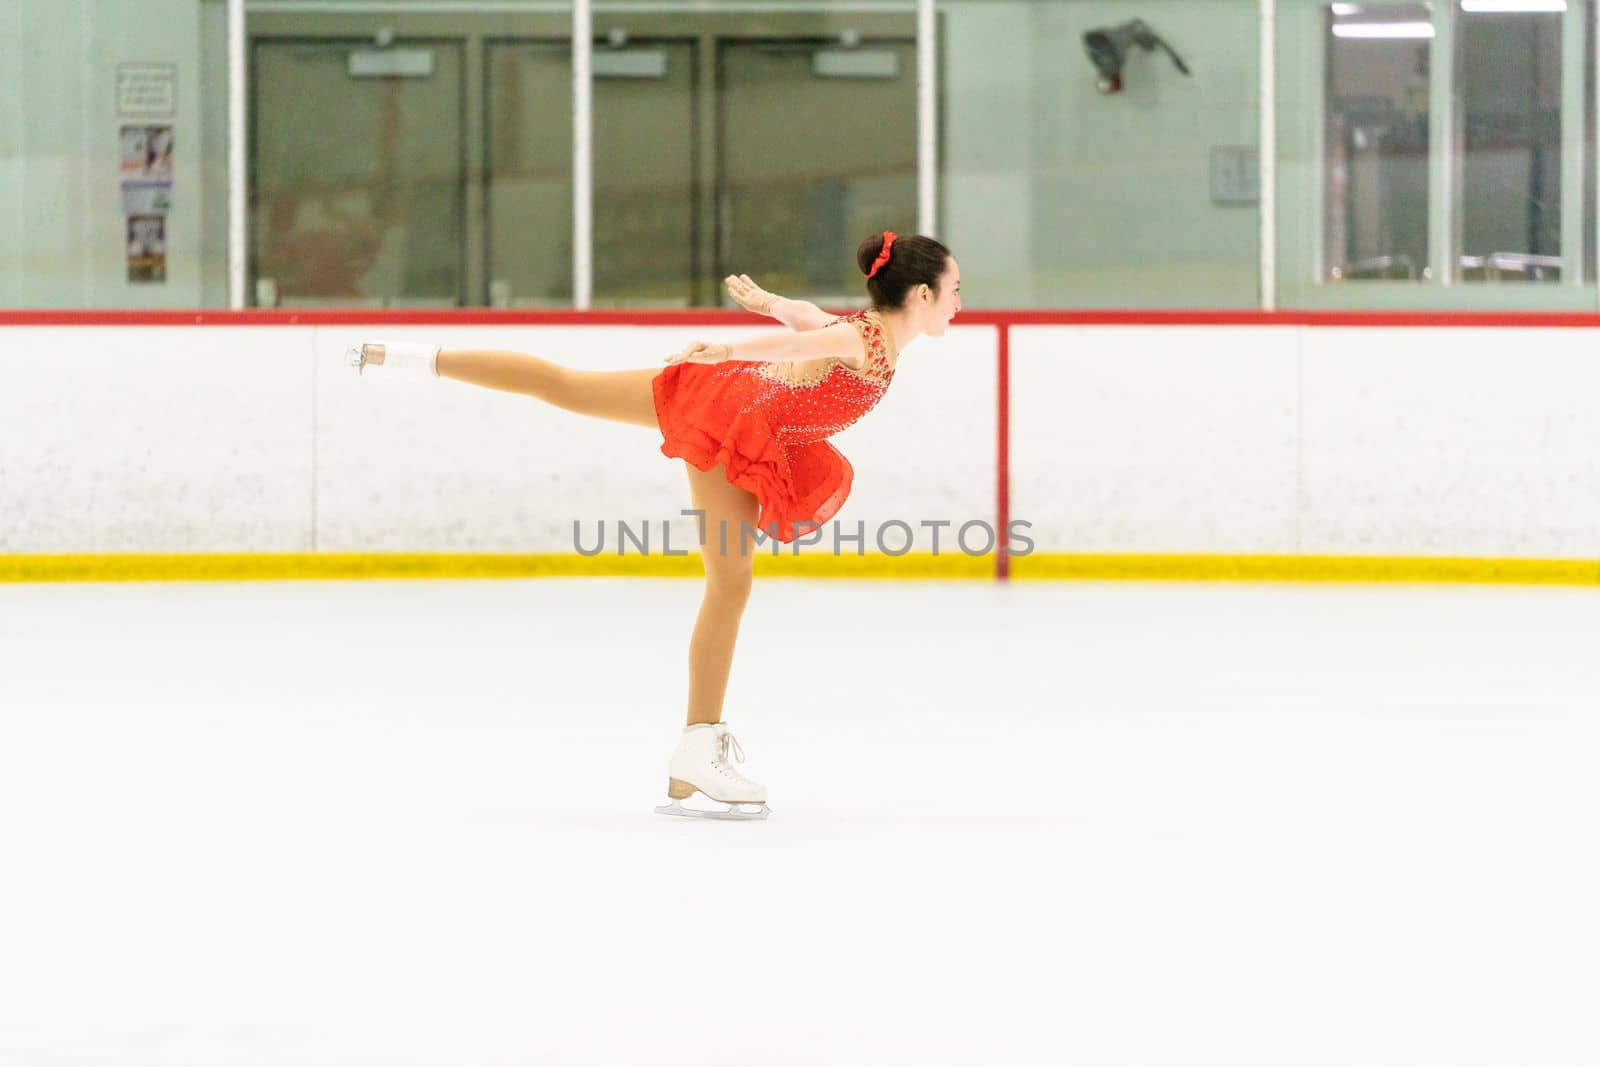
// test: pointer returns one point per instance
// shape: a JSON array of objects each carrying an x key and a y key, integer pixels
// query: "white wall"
[
  {"x": 1058, "y": 196},
  {"x": 1225, "y": 439},
  {"x": 63, "y": 242}
]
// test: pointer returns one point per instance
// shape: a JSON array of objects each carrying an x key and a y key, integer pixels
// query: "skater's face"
[{"x": 939, "y": 310}]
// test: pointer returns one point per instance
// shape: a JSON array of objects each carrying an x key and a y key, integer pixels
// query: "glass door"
[{"x": 358, "y": 173}]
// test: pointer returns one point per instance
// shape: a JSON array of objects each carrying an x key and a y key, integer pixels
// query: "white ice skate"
[
  {"x": 407, "y": 359},
  {"x": 700, "y": 765}
]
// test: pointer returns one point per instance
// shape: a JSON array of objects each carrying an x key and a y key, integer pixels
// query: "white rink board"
[
  {"x": 1428, "y": 441},
  {"x": 1164, "y": 439},
  {"x": 1154, "y": 438},
  {"x": 259, "y": 439},
  {"x": 152, "y": 439},
  {"x": 1461, "y": 442}
]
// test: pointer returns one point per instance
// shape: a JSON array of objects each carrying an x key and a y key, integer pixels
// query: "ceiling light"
[
  {"x": 1511, "y": 7},
  {"x": 1384, "y": 30}
]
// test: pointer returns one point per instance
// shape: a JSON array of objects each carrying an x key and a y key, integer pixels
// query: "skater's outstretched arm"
[
  {"x": 801, "y": 314},
  {"x": 839, "y": 341},
  {"x": 795, "y": 314}
]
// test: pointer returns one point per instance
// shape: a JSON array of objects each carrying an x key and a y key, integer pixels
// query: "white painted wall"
[
  {"x": 1058, "y": 196},
  {"x": 1237, "y": 439},
  {"x": 63, "y": 236}
]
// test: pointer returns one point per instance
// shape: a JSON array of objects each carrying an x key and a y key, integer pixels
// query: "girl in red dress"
[{"x": 751, "y": 422}]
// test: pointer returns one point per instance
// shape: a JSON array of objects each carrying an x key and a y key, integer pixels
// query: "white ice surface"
[{"x": 395, "y": 824}]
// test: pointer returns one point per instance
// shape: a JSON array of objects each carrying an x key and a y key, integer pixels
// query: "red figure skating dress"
[{"x": 769, "y": 423}]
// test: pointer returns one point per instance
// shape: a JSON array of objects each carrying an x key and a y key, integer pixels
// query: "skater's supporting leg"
[
  {"x": 621, "y": 396},
  {"x": 729, "y": 576}
]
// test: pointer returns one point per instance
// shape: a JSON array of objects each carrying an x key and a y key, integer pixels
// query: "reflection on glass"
[
  {"x": 1377, "y": 141},
  {"x": 529, "y": 197},
  {"x": 645, "y": 192},
  {"x": 800, "y": 187},
  {"x": 357, "y": 173},
  {"x": 646, "y": 196},
  {"x": 1508, "y": 74}
]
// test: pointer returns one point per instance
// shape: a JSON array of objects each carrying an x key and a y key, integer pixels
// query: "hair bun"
[
  {"x": 894, "y": 264},
  {"x": 867, "y": 253}
]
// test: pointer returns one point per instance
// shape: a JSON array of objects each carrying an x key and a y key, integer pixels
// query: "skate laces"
[{"x": 730, "y": 744}]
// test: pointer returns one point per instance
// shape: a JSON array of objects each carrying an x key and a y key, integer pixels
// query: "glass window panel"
[
  {"x": 529, "y": 163},
  {"x": 646, "y": 196},
  {"x": 1376, "y": 152},
  {"x": 799, "y": 187},
  {"x": 365, "y": 210},
  {"x": 645, "y": 193},
  {"x": 1509, "y": 86}
]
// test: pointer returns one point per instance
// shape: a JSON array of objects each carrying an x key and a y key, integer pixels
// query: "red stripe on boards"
[{"x": 712, "y": 317}]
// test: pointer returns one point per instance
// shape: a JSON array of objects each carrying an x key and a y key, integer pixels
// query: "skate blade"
[
  {"x": 360, "y": 358},
  {"x": 734, "y": 812}
]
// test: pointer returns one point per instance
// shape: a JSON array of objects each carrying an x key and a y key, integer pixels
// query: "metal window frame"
[
  {"x": 1267, "y": 154},
  {"x": 238, "y": 173}
]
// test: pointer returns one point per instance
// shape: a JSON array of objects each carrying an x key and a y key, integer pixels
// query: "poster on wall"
[
  {"x": 147, "y": 152},
  {"x": 146, "y": 171},
  {"x": 147, "y": 248}
]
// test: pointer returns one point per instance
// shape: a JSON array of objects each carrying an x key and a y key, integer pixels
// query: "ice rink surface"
[{"x": 394, "y": 824}]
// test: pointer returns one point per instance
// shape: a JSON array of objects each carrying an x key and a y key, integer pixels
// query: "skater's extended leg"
[
  {"x": 729, "y": 576},
  {"x": 621, "y": 396}
]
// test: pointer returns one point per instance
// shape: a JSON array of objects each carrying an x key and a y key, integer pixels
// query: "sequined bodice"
[{"x": 813, "y": 402}]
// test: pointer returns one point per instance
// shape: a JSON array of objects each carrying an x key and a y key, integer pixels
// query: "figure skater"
[{"x": 751, "y": 422}]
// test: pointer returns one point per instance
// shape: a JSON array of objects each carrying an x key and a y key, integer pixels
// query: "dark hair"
[{"x": 913, "y": 260}]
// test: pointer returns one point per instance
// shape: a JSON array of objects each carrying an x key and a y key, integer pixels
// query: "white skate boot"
[
  {"x": 700, "y": 765},
  {"x": 407, "y": 359}
]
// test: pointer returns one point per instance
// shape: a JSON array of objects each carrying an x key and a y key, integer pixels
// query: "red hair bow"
[{"x": 883, "y": 257}]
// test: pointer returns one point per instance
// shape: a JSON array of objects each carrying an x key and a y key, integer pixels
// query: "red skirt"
[{"x": 713, "y": 415}]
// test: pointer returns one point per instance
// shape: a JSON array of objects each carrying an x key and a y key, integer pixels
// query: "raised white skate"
[
  {"x": 700, "y": 765},
  {"x": 408, "y": 359}
]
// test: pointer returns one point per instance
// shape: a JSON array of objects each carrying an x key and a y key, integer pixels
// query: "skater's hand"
[
  {"x": 749, "y": 295},
  {"x": 701, "y": 352}
]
